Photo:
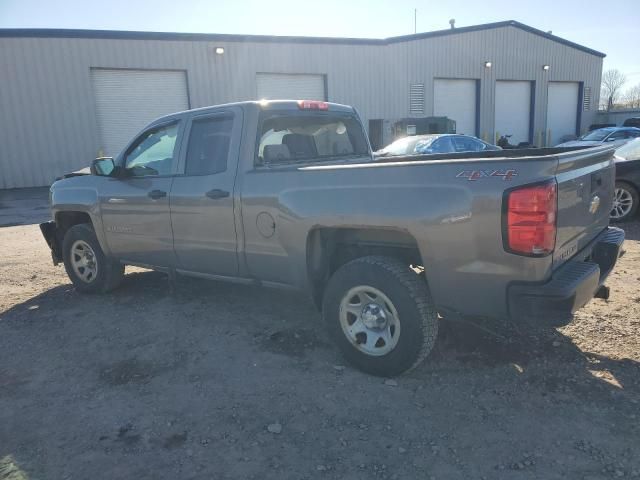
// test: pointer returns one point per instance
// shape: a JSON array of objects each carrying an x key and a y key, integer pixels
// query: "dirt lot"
[{"x": 221, "y": 381}]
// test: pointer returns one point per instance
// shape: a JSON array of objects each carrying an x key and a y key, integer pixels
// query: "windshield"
[
  {"x": 597, "y": 135},
  {"x": 630, "y": 151}
]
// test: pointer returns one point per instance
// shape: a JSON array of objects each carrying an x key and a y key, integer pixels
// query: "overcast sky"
[{"x": 612, "y": 28}]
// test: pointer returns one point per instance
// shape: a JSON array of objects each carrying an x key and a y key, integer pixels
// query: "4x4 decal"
[{"x": 473, "y": 175}]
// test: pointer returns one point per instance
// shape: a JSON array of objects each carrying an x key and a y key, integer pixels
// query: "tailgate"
[{"x": 586, "y": 180}]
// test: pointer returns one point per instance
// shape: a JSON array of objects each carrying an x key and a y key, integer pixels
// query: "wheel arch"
[
  {"x": 327, "y": 249},
  {"x": 66, "y": 218}
]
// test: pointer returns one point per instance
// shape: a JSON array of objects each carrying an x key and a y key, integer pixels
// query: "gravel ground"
[{"x": 221, "y": 381}]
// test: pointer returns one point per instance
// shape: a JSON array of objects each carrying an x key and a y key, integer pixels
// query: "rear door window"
[
  {"x": 442, "y": 145},
  {"x": 292, "y": 138},
  {"x": 619, "y": 135},
  {"x": 632, "y": 134},
  {"x": 208, "y": 148},
  {"x": 466, "y": 144}
]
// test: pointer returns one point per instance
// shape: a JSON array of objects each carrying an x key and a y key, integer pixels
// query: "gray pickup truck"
[{"x": 286, "y": 193}]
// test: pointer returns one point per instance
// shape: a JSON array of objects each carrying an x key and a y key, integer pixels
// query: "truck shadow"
[
  {"x": 288, "y": 324},
  {"x": 545, "y": 359},
  {"x": 631, "y": 229}
]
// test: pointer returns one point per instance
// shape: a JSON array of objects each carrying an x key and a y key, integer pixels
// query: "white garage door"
[
  {"x": 283, "y": 86},
  {"x": 513, "y": 110},
  {"x": 127, "y": 100},
  {"x": 456, "y": 99},
  {"x": 562, "y": 110}
]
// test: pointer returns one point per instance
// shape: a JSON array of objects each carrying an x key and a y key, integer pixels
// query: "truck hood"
[{"x": 77, "y": 173}]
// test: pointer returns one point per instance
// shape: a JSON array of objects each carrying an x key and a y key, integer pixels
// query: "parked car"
[
  {"x": 625, "y": 202},
  {"x": 435, "y": 143},
  {"x": 513, "y": 237},
  {"x": 632, "y": 122},
  {"x": 611, "y": 135}
]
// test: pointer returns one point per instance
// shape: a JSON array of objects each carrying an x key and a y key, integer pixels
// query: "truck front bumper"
[
  {"x": 571, "y": 286},
  {"x": 50, "y": 235}
]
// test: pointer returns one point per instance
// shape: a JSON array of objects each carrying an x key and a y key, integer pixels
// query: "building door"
[
  {"x": 513, "y": 110},
  {"x": 562, "y": 111},
  {"x": 127, "y": 100},
  {"x": 273, "y": 86},
  {"x": 457, "y": 100}
]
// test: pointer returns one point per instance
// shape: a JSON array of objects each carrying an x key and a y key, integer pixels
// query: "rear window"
[{"x": 309, "y": 137}]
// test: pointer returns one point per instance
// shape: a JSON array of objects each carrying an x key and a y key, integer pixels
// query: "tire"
[
  {"x": 91, "y": 272},
  {"x": 392, "y": 297},
  {"x": 622, "y": 210}
]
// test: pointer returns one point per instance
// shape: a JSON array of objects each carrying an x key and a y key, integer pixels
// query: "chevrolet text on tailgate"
[{"x": 287, "y": 193}]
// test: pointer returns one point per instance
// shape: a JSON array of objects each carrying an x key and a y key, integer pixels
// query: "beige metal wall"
[{"x": 47, "y": 115}]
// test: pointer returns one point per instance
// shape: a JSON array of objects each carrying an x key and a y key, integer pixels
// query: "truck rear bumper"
[{"x": 571, "y": 286}]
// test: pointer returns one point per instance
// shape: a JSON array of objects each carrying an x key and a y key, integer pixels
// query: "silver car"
[{"x": 611, "y": 136}]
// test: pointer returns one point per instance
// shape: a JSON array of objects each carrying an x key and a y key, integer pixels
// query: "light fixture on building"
[
  {"x": 545, "y": 67},
  {"x": 487, "y": 64},
  {"x": 219, "y": 50}
]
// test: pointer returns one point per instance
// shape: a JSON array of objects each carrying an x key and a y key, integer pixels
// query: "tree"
[
  {"x": 612, "y": 82},
  {"x": 631, "y": 97}
]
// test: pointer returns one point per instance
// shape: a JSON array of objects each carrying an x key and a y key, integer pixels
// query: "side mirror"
[
  {"x": 610, "y": 139},
  {"x": 103, "y": 167}
]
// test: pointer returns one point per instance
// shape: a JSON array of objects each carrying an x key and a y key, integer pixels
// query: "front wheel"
[
  {"x": 89, "y": 269},
  {"x": 625, "y": 202},
  {"x": 381, "y": 315}
]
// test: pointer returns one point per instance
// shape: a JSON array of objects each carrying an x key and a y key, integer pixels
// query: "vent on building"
[
  {"x": 416, "y": 98},
  {"x": 586, "y": 100}
]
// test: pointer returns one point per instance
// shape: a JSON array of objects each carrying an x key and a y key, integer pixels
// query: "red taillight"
[
  {"x": 312, "y": 105},
  {"x": 531, "y": 219}
]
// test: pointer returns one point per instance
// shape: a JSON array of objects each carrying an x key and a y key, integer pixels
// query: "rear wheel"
[
  {"x": 625, "y": 202},
  {"x": 86, "y": 264},
  {"x": 381, "y": 315}
]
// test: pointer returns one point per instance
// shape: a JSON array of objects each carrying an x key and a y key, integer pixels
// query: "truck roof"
[{"x": 260, "y": 105}]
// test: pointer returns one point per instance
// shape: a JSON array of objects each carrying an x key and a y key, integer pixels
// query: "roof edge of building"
[{"x": 224, "y": 37}]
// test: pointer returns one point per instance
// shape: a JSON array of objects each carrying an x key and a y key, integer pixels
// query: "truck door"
[
  {"x": 135, "y": 206},
  {"x": 202, "y": 200}
]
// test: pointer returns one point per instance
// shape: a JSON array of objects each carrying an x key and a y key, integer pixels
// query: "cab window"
[
  {"x": 153, "y": 152},
  {"x": 303, "y": 138}
]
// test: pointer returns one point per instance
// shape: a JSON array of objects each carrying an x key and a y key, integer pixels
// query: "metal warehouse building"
[{"x": 67, "y": 95}]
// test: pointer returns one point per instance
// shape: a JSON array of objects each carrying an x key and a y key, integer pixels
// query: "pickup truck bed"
[{"x": 300, "y": 202}]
